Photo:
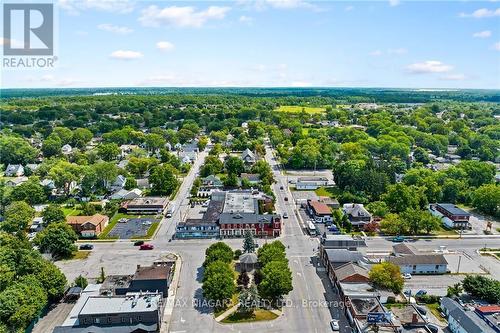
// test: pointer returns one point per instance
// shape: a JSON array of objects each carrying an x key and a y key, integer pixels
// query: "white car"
[
  {"x": 334, "y": 324},
  {"x": 406, "y": 276}
]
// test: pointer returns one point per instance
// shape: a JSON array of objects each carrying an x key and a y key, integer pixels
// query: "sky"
[{"x": 271, "y": 43}]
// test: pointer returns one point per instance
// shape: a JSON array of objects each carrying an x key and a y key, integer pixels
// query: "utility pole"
[{"x": 459, "y": 260}]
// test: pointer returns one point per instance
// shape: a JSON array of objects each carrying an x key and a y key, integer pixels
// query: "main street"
[{"x": 307, "y": 310}]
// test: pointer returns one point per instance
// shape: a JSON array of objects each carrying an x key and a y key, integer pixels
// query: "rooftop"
[
  {"x": 419, "y": 259},
  {"x": 148, "y": 201},
  {"x": 154, "y": 272},
  {"x": 240, "y": 202},
  {"x": 94, "y": 219},
  {"x": 343, "y": 255},
  {"x": 350, "y": 269},
  {"x": 452, "y": 209},
  {"x": 320, "y": 208},
  {"x": 121, "y": 304}
]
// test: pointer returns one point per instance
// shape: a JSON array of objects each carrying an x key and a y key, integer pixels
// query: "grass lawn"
[
  {"x": 257, "y": 315},
  {"x": 434, "y": 307},
  {"x": 234, "y": 301},
  {"x": 444, "y": 231},
  {"x": 71, "y": 211},
  {"x": 112, "y": 223},
  {"x": 150, "y": 232},
  {"x": 79, "y": 255},
  {"x": 330, "y": 192},
  {"x": 298, "y": 109}
]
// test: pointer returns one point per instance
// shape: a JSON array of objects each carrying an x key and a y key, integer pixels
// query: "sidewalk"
[
  {"x": 172, "y": 292},
  {"x": 227, "y": 313}
]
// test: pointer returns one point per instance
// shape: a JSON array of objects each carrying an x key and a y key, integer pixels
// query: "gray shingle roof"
[
  {"x": 343, "y": 255},
  {"x": 419, "y": 259}
]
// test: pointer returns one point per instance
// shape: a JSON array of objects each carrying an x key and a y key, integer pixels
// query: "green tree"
[
  {"x": 81, "y": 136},
  {"x": 17, "y": 217},
  {"x": 218, "y": 251},
  {"x": 378, "y": 208},
  {"x": 248, "y": 242},
  {"x": 51, "y": 146},
  {"x": 400, "y": 197},
  {"x": 249, "y": 299},
  {"x": 202, "y": 142},
  {"x": 454, "y": 290},
  {"x": 57, "y": 239},
  {"x": 53, "y": 214},
  {"x": 108, "y": 151},
  {"x": 163, "y": 180},
  {"x": 386, "y": 275},
  {"x": 31, "y": 192},
  {"x": 81, "y": 282},
  {"x": 52, "y": 279},
  {"x": 487, "y": 199},
  {"x": 15, "y": 150},
  {"x": 479, "y": 173},
  {"x": 482, "y": 287},
  {"x": 276, "y": 281},
  {"x": 429, "y": 222},
  {"x": 218, "y": 283},
  {"x": 234, "y": 165},
  {"x": 243, "y": 279},
  {"x": 22, "y": 302},
  {"x": 64, "y": 173},
  {"x": 393, "y": 224},
  {"x": 274, "y": 251}
]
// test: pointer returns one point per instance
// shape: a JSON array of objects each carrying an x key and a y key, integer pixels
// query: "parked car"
[
  {"x": 285, "y": 215},
  {"x": 286, "y": 198},
  {"x": 421, "y": 293},
  {"x": 406, "y": 276},
  {"x": 86, "y": 247},
  {"x": 205, "y": 203},
  {"x": 334, "y": 324},
  {"x": 138, "y": 243},
  {"x": 146, "y": 247},
  {"x": 281, "y": 187},
  {"x": 398, "y": 239},
  {"x": 433, "y": 327}
]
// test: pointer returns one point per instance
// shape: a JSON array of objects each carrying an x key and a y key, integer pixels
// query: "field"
[{"x": 298, "y": 109}]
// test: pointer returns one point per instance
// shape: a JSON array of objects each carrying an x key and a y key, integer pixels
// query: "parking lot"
[{"x": 132, "y": 227}]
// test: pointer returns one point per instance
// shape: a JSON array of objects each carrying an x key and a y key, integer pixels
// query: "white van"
[{"x": 170, "y": 210}]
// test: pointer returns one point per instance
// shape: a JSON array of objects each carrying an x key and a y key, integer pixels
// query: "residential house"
[
  {"x": 451, "y": 215},
  {"x": 66, "y": 149},
  {"x": 48, "y": 183},
  {"x": 145, "y": 205},
  {"x": 330, "y": 202},
  {"x": 333, "y": 258},
  {"x": 311, "y": 183},
  {"x": 402, "y": 249},
  {"x": 464, "y": 320},
  {"x": 143, "y": 183},
  {"x": 32, "y": 167},
  {"x": 124, "y": 194},
  {"x": 14, "y": 170},
  {"x": 349, "y": 273},
  {"x": 421, "y": 263},
  {"x": 209, "y": 184},
  {"x": 13, "y": 182},
  {"x": 88, "y": 226},
  {"x": 252, "y": 178},
  {"x": 320, "y": 212},
  {"x": 118, "y": 183},
  {"x": 357, "y": 214},
  {"x": 248, "y": 156}
]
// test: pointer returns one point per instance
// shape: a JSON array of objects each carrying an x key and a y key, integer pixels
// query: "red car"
[{"x": 146, "y": 247}]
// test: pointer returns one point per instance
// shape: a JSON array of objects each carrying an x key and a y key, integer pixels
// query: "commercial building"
[
  {"x": 421, "y": 263},
  {"x": 465, "y": 320},
  {"x": 320, "y": 212},
  {"x": 348, "y": 242},
  {"x": 311, "y": 183},
  {"x": 451, "y": 215},
  {"x": 145, "y": 205},
  {"x": 206, "y": 227},
  {"x": 88, "y": 226}
]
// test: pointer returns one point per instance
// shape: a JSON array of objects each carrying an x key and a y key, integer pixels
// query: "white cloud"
[
  {"x": 153, "y": 16},
  {"x": 429, "y": 66},
  {"x": 126, "y": 55},
  {"x": 482, "y": 13},
  {"x": 496, "y": 46},
  {"x": 300, "y": 84},
  {"x": 453, "y": 77},
  {"x": 165, "y": 46},
  {"x": 74, "y": 7},
  {"x": 246, "y": 19},
  {"x": 277, "y": 4},
  {"x": 115, "y": 29},
  {"x": 394, "y": 3},
  {"x": 375, "y": 53},
  {"x": 482, "y": 34},
  {"x": 349, "y": 8}
]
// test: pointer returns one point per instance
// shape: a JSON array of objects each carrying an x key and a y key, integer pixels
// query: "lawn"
[
  {"x": 298, "y": 109},
  {"x": 71, "y": 211},
  {"x": 79, "y": 255},
  {"x": 326, "y": 192},
  {"x": 257, "y": 315},
  {"x": 151, "y": 231},
  {"x": 113, "y": 222},
  {"x": 434, "y": 307}
]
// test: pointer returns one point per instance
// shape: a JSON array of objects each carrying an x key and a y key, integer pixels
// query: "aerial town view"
[{"x": 250, "y": 166}]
